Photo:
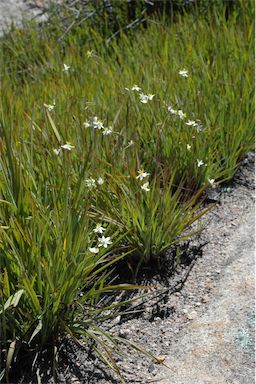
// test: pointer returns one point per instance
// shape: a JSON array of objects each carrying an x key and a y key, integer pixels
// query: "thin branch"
[
  {"x": 70, "y": 26},
  {"x": 133, "y": 23}
]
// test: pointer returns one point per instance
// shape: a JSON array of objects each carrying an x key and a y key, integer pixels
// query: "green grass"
[{"x": 51, "y": 198}]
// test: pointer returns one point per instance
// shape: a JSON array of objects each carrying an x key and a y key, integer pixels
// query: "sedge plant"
[
  {"x": 153, "y": 212},
  {"x": 55, "y": 267}
]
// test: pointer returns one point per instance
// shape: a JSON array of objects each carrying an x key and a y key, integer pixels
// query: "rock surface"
[
  {"x": 17, "y": 10},
  {"x": 218, "y": 347}
]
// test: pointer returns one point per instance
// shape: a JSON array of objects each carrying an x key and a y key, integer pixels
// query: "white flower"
[
  {"x": 104, "y": 241},
  {"x": 97, "y": 124},
  {"x": 94, "y": 250},
  {"x": 107, "y": 131},
  {"x": 200, "y": 163},
  {"x": 99, "y": 229},
  {"x": 145, "y": 186},
  {"x": 66, "y": 67},
  {"x": 199, "y": 128},
  {"x": 191, "y": 123},
  {"x": 86, "y": 124},
  {"x": 100, "y": 181},
  {"x": 181, "y": 114},
  {"x": 57, "y": 151},
  {"x": 135, "y": 88},
  {"x": 183, "y": 73},
  {"x": 89, "y": 53},
  {"x": 67, "y": 146},
  {"x": 130, "y": 143},
  {"x": 142, "y": 174},
  {"x": 50, "y": 107},
  {"x": 212, "y": 182},
  {"x": 90, "y": 183},
  {"x": 188, "y": 147},
  {"x": 145, "y": 98},
  {"x": 172, "y": 111}
]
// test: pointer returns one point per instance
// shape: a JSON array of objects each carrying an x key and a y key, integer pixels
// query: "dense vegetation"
[{"x": 106, "y": 146}]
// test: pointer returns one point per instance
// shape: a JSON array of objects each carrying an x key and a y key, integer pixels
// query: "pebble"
[
  {"x": 124, "y": 333},
  {"x": 192, "y": 315},
  {"x": 117, "y": 320},
  {"x": 160, "y": 359},
  {"x": 61, "y": 378},
  {"x": 132, "y": 328},
  {"x": 151, "y": 368},
  {"x": 209, "y": 286},
  {"x": 205, "y": 299}
]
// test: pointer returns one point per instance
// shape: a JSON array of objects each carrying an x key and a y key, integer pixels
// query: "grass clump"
[
  {"x": 153, "y": 214},
  {"x": 106, "y": 149},
  {"x": 52, "y": 275}
]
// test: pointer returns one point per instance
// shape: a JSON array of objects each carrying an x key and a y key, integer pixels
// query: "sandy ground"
[{"x": 218, "y": 347}]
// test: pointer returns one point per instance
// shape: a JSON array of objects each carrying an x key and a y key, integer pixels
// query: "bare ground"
[{"x": 218, "y": 346}]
